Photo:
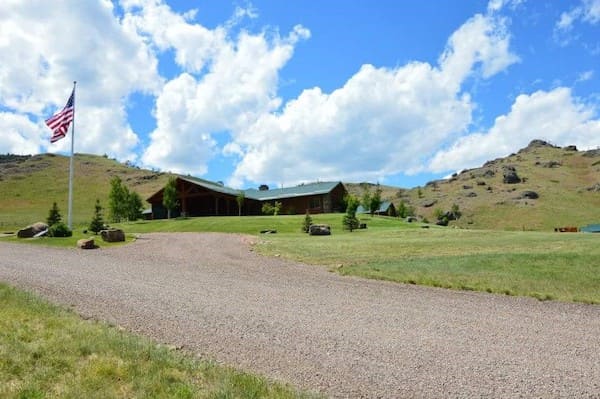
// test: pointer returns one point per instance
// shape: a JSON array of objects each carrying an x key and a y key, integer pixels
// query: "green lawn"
[
  {"x": 48, "y": 352},
  {"x": 545, "y": 265}
]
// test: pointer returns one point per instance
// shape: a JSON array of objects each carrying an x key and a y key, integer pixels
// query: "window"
[{"x": 315, "y": 202}]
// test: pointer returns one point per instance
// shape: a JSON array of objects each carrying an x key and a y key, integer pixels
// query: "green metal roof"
[
  {"x": 211, "y": 185},
  {"x": 266, "y": 195},
  {"x": 591, "y": 228},
  {"x": 290, "y": 192},
  {"x": 383, "y": 208}
]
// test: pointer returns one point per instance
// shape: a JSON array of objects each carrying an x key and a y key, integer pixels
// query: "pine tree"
[
  {"x": 53, "y": 216},
  {"x": 97, "y": 222},
  {"x": 375, "y": 200},
  {"x": 307, "y": 222},
  {"x": 350, "y": 222}
]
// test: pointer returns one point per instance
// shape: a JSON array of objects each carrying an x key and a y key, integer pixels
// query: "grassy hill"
[
  {"x": 30, "y": 184},
  {"x": 567, "y": 182}
]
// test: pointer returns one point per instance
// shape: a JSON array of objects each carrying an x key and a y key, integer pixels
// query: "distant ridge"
[{"x": 566, "y": 182}]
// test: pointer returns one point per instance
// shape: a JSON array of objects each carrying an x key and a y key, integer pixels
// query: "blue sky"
[{"x": 284, "y": 92}]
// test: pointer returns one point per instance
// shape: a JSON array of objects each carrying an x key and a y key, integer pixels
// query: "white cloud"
[
  {"x": 19, "y": 135},
  {"x": 498, "y": 5},
  {"x": 482, "y": 39},
  {"x": 44, "y": 46},
  {"x": 588, "y": 11},
  {"x": 381, "y": 122},
  {"x": 585, "y": 76},
  {"x": 555, "y": 116},
  {"x": 228, "y": 84}
]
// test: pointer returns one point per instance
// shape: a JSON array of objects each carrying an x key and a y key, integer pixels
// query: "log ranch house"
[{"x": 198, "y": 197}]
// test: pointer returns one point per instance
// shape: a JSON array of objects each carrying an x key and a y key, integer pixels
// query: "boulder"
[
  {"x": 33, "y": 230},
  {"x": 595, "y": 187},
  {"x": 112, "y": 235},
  {"x": 549, "y": 164},
  {"x": 529, "y": 194},
  {"x": 471, "y": 194},
  {"x": 86, "y": 243},
  {"x": 483, "y": 173},
  {"x": 428, "y": 203},
  {"x": 319, "y": 230},
  {"x": 510, "y": 175},
  {"x": 592, "y": 153},
  {"x": 467, "y": 187},
  {"x": 571, "y": 148}
]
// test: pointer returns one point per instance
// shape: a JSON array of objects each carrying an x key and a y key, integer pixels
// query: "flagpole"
[{"x": 70, "y": 213}]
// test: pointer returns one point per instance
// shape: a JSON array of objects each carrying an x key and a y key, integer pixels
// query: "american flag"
[{"x": 59, "y": 123}]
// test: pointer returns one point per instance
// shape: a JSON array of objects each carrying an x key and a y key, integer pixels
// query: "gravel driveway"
[{"x": 342, "y": 336}]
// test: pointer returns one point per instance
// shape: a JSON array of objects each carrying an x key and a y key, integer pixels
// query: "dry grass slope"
[
  {"x": 30, "y": 184},
  {"x": 566, "y": 180}
]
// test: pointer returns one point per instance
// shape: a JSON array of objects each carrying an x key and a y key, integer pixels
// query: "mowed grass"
[
  {"x": 48, "y": 352},
  {"x": 544, "y": 265}
]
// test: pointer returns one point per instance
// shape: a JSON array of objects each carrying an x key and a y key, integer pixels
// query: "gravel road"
[{"x": 341, "y": 336}]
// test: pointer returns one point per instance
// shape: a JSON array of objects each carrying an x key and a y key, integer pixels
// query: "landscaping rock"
[
  {"x": 510, "y": 175},
  {"x": 319, "y": 230},
  {"x": 86, "y": 243},
  {"x": 112, "y": 235},
  {"x": 33, "y": 230}
]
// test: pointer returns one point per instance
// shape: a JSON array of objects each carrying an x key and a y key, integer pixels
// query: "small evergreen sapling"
[
  {"x": 97, "y": 222},
  {"x": 350, "y": 221},
  {"x": 307, "y": 222},
  {"x": 53, "y": 216}
]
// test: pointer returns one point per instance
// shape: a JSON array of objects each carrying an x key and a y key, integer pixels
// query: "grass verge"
[
  {"x": 48, "y": 352},
  {"x": 544, "y": 265},
  {"x": 67, "y": 242}
]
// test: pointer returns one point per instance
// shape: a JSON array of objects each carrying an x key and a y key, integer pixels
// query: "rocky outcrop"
[
  {"x": 112, "y": 235},
  {"x": 529, "y": 195},
  {"x": 428, "y": 203},
  {"x": 594, "y": 188},
  {"x": 533, "y": 144},
  {"x": 483, "y": 173},
  {"x": 549, "y": 164},
  {"x": 510, "y": 175},
  {"x": 33, "y": 230}
]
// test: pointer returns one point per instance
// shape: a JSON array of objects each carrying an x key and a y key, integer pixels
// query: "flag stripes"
[{"x": 59, "y": 122}]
